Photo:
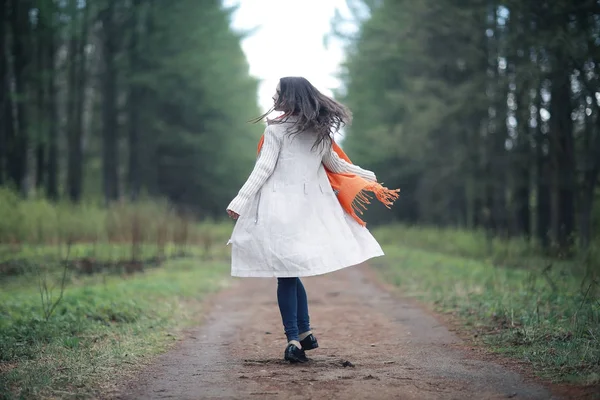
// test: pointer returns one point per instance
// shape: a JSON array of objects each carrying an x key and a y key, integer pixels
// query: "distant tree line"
[
  {"x": 486, "y": 113},
  {"x": 114, "y": 99}
]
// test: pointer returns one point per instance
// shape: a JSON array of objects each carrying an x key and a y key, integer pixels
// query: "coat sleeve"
[
  {"x": 335, "y": 164},
  {"x": 264, "y": 167}
]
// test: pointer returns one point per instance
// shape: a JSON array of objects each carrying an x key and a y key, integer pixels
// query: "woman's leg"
[
  {"x": 303, "y": 318},
  {"x": 288, "y": 306}
]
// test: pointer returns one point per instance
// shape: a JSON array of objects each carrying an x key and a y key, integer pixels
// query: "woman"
[{"x": 290, "y": 220}]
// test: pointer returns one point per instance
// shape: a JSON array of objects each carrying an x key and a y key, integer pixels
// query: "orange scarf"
[{"x": 352, "y": 189}]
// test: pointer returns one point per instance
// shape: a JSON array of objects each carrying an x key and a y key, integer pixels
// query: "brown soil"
[{"x": 373, "y": 345}]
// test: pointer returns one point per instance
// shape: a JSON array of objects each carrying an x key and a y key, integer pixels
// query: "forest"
[
  {"x": 112, "y": 100},
  {"x": 490, "y": 123},
  {"x": 486, "y": 113}
]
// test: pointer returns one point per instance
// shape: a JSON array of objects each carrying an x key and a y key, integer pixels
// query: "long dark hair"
[{"x": 312, "y": 109}]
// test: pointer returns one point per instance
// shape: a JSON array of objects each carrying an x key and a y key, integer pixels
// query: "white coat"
[{"x": 291, "y": 223}]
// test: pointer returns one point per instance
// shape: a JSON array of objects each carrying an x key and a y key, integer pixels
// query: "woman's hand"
[{"x": 233, "y": 214}]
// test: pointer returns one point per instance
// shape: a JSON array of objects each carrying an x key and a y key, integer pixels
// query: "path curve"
[{"x": 396, "y": 351}]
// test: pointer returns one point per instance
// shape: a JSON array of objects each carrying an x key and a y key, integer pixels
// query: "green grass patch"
[
  {"x": 104, "y": 326},
  {"x": 88, "y": 258},
  {"x": 33, "y": 223},
  {"x": 506, "y": 252},
  {"x": 546, "y": 316},
  {"x": 111, "y": 316}
]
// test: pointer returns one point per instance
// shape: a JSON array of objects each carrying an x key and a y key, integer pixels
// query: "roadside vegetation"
[{"x": 504, "y": 294}]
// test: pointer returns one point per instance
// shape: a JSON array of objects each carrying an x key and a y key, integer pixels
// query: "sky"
[{"x": 289, "y": 41}]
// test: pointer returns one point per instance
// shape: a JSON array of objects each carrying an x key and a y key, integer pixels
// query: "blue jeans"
[{"x": 293, "y": 305}]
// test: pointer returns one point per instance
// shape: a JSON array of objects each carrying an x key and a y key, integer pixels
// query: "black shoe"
[
  {"x": 309, "y": 342},
  {"x": 294, "y": 355}
]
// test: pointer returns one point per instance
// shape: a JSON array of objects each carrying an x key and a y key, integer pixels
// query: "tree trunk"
[
  {"x": 5, "y": 114},
  {"x": 40, "y": 83},
  {"x": 542, "y": 178},
  {"x": 52, "y": 111},
  {"x": 74, "y": 154},
  {"x": 563, "y": 160},
  {"x": 40, "y": 163},
  {"x": 518, "y": 88},
  {"x": 147, "y": 137},
  {"x": 521, "y": 195},
  {"x": 81, "y": 82},
  {"x": 133, "y": 103},
  {"x": 488, "y": 158},
  {"x": 590, "y": 178},
  {"x": 522, "y": 166},
  {"x": 20, "y": 35},
  {"x": 109, "y": 109},
  {"x": 499, "y": 158},
  {"x": 585, "y": 215}
]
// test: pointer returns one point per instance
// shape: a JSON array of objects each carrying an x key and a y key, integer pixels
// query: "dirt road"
[{"x": 373, "y": 346}]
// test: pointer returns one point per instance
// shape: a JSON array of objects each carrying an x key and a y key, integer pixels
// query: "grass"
[
  {"x": 543, "y": 311},
  {"x": 88, "y": 258},
  {"x": 37, "y": 233},
  {"x": 104, "y": 325},
  {"x": 511, "y": 252},
  {"x": 545, "y": 314},
  {"x": 111, "y": 318},
  {"x": 38, "y": 222}
]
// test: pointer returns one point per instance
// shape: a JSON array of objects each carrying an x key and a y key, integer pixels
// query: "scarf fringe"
[{"x": 384, "y": 195}]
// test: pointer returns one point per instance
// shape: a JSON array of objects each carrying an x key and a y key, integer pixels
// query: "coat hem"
[{"x": 286, "y": 274}]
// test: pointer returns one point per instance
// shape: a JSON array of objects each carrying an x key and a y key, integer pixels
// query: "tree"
[
  {"x": 6, "y": 121},
  {"x": 484, "y": 112},
  {"x": 134, "y": 99},
  {"x": 77, "y": 82},
  {"x": 21, "y": 36},
  {"x": 51, "y": 107},
  {"x": 110, "y": 150},
  {"x": 168, "y": 82}
]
